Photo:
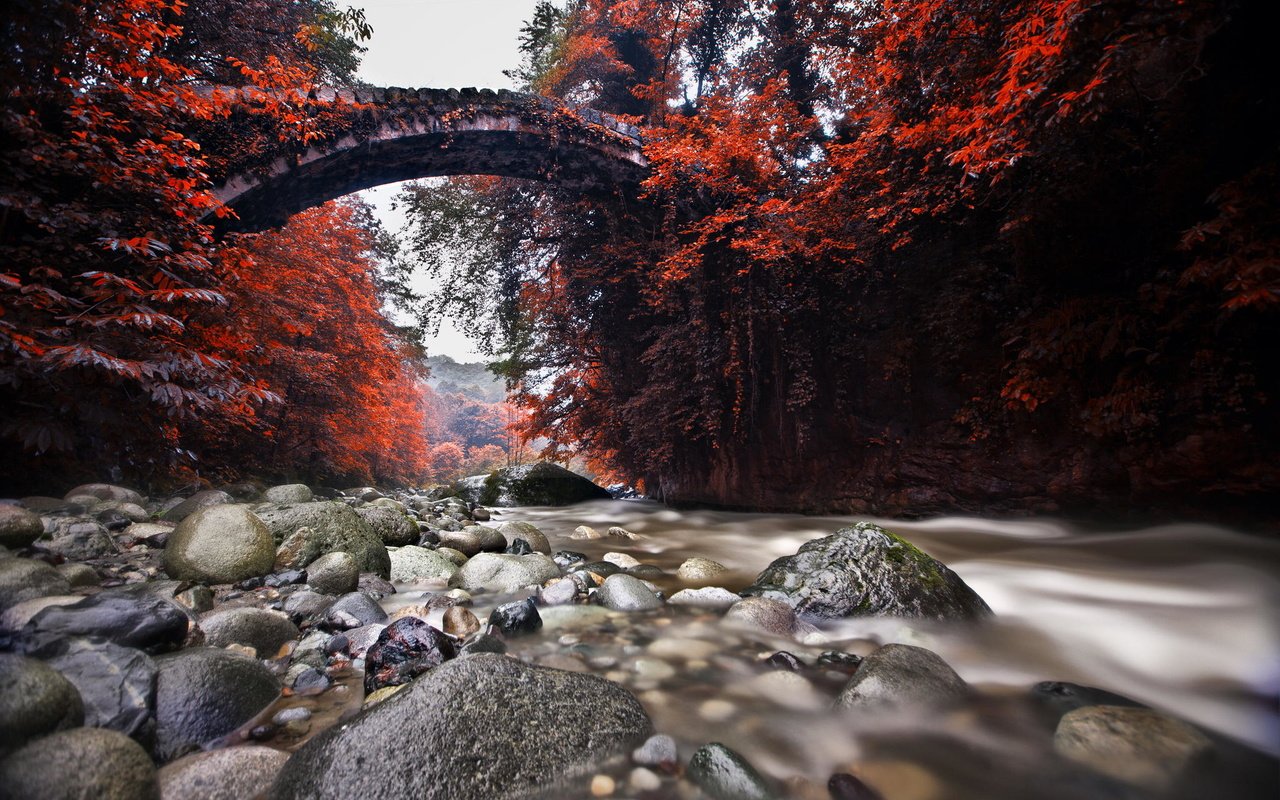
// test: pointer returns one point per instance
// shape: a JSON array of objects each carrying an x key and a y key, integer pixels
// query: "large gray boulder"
[
  {"x": 475, "y": 728},
  {"x": 418, "y": 563},
  {"x": 117, "y": 684},
  {"x": 902, "y": 676},
  {"x": 540, "y": 484},
  {"x": 264, "y": 630},
  {"x": 288, "y": 493},
  {"x": 24, "y": 579},
  {"x": 864, "y": 571},
  {"x": 393, "y": 527},
  {"x": 329, "y": 527},
  {"x": 499, "y": 572},
  {"x": 219, "y": 544},
  {"x": 232, "y": 773},
  {"x": 18, "y": 527},
  {"x": 473, "y": 539},
  {"x": 80, "y": 763},
  {"x": 34, "y": 700},
  {"x": 203, "y": 693},
  {"x": 78, "y": 539}
]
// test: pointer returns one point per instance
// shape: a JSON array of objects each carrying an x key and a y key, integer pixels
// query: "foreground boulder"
[
  {"x": 117, "y": 684},
  {"x": 475, "y": 728},
  {"x": 219, "y": 544},
  {"x": 128, "y": 618},
  {"x": 864, "y": 571},
  {"x": 306, "y": 531},
  {"x": 264, "y": 630},
  {"x": 1139, "y": 746},
  {"x": 34, "y": 700},
  {"x": 203, "y": 693},
  {"x": 540, "y": 484},
  {"x": 23, "y": 579},
  {"x": 232, "y": 773},
  {"x": 85, "y": 762}
]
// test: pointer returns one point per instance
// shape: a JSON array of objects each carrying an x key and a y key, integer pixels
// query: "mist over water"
[{"x": 1184, "y": 617}]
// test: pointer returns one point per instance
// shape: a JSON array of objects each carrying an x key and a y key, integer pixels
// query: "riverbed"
[{"x": 1184, "y": 618}]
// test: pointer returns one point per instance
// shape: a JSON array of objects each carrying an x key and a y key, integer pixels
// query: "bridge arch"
[{"x": 403, "y": 134}]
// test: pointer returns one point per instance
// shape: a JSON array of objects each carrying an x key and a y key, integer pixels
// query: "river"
[{"x": 1181, "y": 617}]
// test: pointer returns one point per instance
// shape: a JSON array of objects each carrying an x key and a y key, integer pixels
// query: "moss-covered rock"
[
  {"x": 865, "y": 570},
  {"x": 305, "y": 531},
  {"x": 540, "y": 484}
]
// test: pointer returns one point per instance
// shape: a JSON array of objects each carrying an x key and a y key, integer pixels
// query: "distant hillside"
[{"x": 473, "y": 380}]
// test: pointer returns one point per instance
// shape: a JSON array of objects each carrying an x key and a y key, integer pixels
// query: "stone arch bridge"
[{"x": 396, "y": 134}]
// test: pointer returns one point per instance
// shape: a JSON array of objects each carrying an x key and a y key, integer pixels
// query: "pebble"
[
  {"x": 625, "y": 593},
  {"x": 558, "y": 592},
  {"x": 514, "y": 619},
  {"x": 717, "y": 710},
  {"x": 725, "y": 775},
  {"x": 707, "y": 597},
  {"x": 1139, "y": 746},
  {"x": 602, "y": 786},
  {"x": 700, "y": 569},
  {"x": 657, "y": 750},
  {"x": 643, "y": 780},
  {"x": 460, "y": 622},
  {"x": 295, "y": 714},
  {"x": 652, "y": 669},
  {"x": 623, "y": 560},
  {"x": 622, "y": 533},
  {"x": 688, "y": 649},
  {"x": 585, "y": 532}
]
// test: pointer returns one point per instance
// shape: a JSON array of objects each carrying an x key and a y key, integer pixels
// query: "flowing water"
[{"x": 1183, "y": 618}]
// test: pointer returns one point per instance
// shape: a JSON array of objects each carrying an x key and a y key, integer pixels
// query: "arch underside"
[{"x": 267, "y": 202}]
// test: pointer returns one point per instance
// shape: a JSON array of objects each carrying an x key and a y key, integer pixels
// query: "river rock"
[
  {"x": 625, "y": 593},
  {"x": 219, "y": 544},
  {"x": 203, "y": 693},
  {"x": 18, "y": 527},
  {"x": 497, "y": 572},
  {"x": 329, "y": 527},
  {"x": 404, "y": 650},
  {"x": 128, "y": 618},
  {"x": 24, "y": 579},
  {"x": 264, "y": 630},
  {"x": 767, "y": 614},
  {"x": 530, "y": 533},
  {"x": 288, "y": 493},
  {"x": 232, "y": 773},
  {"x": 77, "y": 539},
  {"x": 697, "y": 570},
  {"x": 117, "y": 684},
  {"x": 79, "y": 575},
  {"x": 16, "y": 617},
  {"x": 306, "y": 604},
  {"x": 865, "y": 570},
  {"x": 355, "y": 609},
  {"x": 1139, "y": 746},
  {"x": 196, "y": 502},
  {"x": 81, "y": 763},
  {"x": 558, "y": 592},
  {"x": 658, "y": 750},
  {"x": 523, "y": 731},
  {"x": 902, "y": 675},
  {"x": 413, "y": 563},
  {"x": 583, "y": 532},
  {"x": 392, "y": 526},
  {"x": 540, "y": 484},
  {"x": 707, "y": 597},
  {"x": 516, "y": 619},
  {"x": 621, "y": 560},
  {"x": 725, "y": 775},
  {"x": 335, "y": 573},
  {"x": 474, "y": 539},
  {"x": 34, "y": 700},
  {"x": 106, "y": 491}
]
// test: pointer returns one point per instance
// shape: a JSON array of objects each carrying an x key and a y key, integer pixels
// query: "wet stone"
[
  {"x": 116, "y": 683},
  {"x": 707, "y": 597},
  {"x": 35, "y": 699},
  {"x": 698, "y": 569},
  {"x": 459, "y": 622},
  {"x": 407, "y": 648},
  {"x": 625, "y": 593},
  {"x": 602, "y": 568},
  {"x": 1139, "y": 746},
  {"x": 841, "y": 662},
  {"x": 725, "y": 775},
  {"x": 133, "y": 620},
  {"x": 784, "y": 660},
  {"x": 80, "y": 763},
  {"x": 286, "y": 578},
  {"x": 658, "y": 750},
  {"x": 230, "y": 773},
  {"x": 353, "y": 610},
  {"x": 568, "y": 558},
  {"x": 561, "y": 591},
  {"x": 518, "y": 547},
  {"x": 311, "y": 681},
  {"x": 901, "y": 675},
  {"x": 515, "y": 619}
]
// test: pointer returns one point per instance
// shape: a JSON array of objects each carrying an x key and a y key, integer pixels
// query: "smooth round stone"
[
  {"x": 716, "y": 710},
  {"x": 653, "y": 669},
  {"x": 474, "y": 539},
  {"x": 602, "y": 786},
  {"x": 516, "y": 619},
  {"x": 203, "y": 693},
  {"x": 657, "y": 750},
  {"x": 456, "y": 556},
  {"x": 459, "y": 622},
  {"x": 356, "y": 607},
  {"x": 622, "y": 560},
  {"x": 391, "y": 524},
  {"x": 24, "y": 579},
  {"x": 35, "y": 699},
  {"x": 264, "y": 630},
  {"x": 499, "y": 572},
  {"x": 643, "y": 780},
  {"x": 288, "y": 493},
  {"x": 413, "y": 563},
  {"x": 305, "y": 531},
  {"x": 725, "y": 775},
  {"x": 698, "y": 569},
  {"x": 621, "y": 533},
  {"x": 707, "y": 597},
  {"x": 772, "y": 616},
  {"x": 687, "y": 649},
  {"x": 558, "y": 592},
  {"x": 80, "y": 763},
  {"x": 200, "y": 500},
  {"x": 902, "y": 675},
  {"x": 520, "y": 729},
  {"x": 79, "y": 575},
  {"x": 625, "y": 593},
  {"x": 335, "y": 573},
  {"x": 219, "y": 544},
  {"x": 530, "y": 533},
  {"x": 18, "y": 527},
  {"x": 1139, "y": 746},
  {"x": 232, "y": 773},
  {"x": 585, "y": 532}
]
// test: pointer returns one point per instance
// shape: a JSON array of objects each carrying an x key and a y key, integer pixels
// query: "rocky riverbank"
[{"x": 256, "y": 641}]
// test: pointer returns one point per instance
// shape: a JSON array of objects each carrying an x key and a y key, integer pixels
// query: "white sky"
[{"x": 440, "y": 44}]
